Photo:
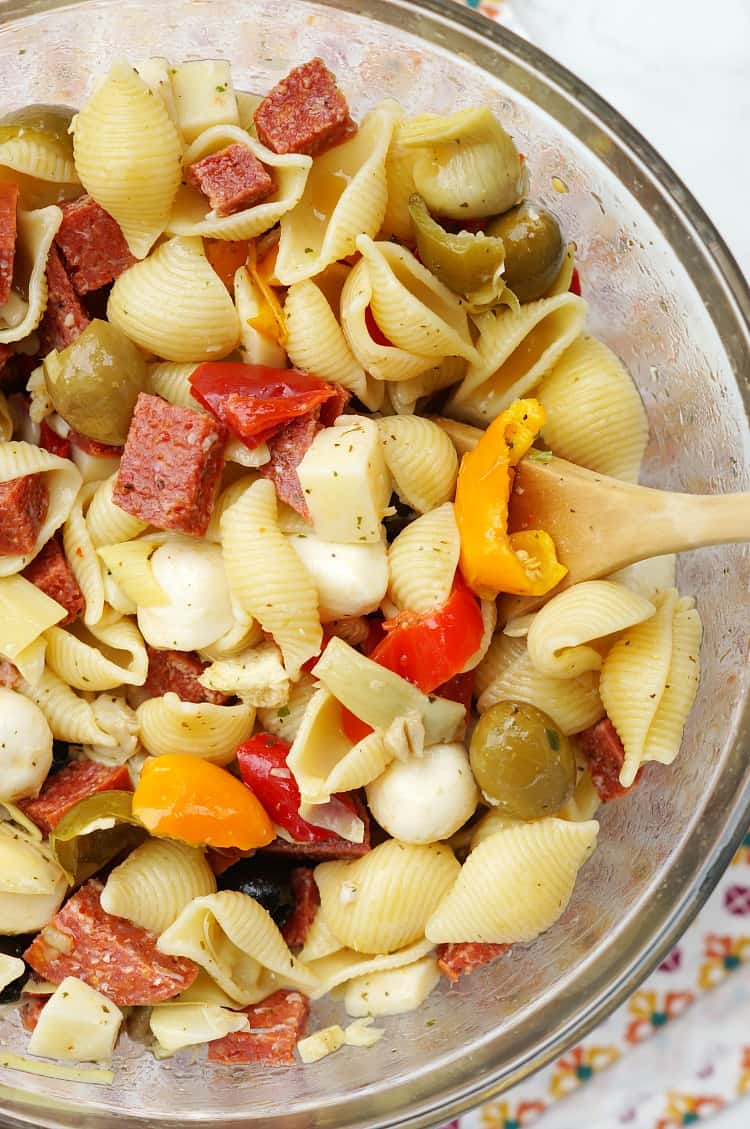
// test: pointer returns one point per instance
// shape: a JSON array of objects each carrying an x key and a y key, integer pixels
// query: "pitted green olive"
[
  {"x": 50, "y": 123},
  {"x": 534, "y": 249},
  {"x": 522, "y": 763},
  {"x": 94, "y": 382}
]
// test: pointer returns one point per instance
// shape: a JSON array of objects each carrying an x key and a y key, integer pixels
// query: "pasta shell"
[
  {"x": 507, "y": 674},
  {"x": 345, "y": 195},
  {"x": 290, "y": 171},
  {"x": 36, "y": 231},
  {"x": 233, "y": 938},
  {"x": 594, "y": 414},
  {"x": 82, "y": 559},
  {"x": 39, "y": 157},
  {"x": 588, "y": 612},
  {"x": 169, "y": 725},
  {"x": 171, "y": 381},
  {"x": 6, "y": 421},
  {"x": 19, "y": 459},
  {"x": 130, "y": 567},
  {"x": 82, "y": 665},
  {"x": 106, "y": 523},
  {"x": 155, "y": 882},
  {"x": 69, "y": 717},
  {"x": 381, "y": 902},
  {"x": 411, "y": 307},
  {"x": 515, "y": 884},
  {"x": 382, "y": 362},
  {"x": 515, "y": 351},
  {"x": 344, "y": 965},
  {"x": 128, "y": 156},
  {"x": 404, "y": 395},
  {"x": 267, "y": 577},
  {"x": 665, "y": 734},
  {"x": 422, "y": 460},
  {"x": 174, "y": 304},
  {"x": 423, "y": 559}
]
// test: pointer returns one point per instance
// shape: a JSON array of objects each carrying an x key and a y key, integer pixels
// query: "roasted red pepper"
[
  {"x": 374, "y": 329},
  {"x": 255, "y": 401},
  {"x": 52, "y": 442},
  {"x": 263, "y": 768},
  {"x": 575, "y": 282}
]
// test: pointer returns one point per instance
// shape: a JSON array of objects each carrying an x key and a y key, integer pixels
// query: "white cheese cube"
[
  {"x": 77, "y": 1023},
  {"x": 322, "y": 1043},
  {"x": 351, "y": 579},
  {"x": 157, "y": 74},
  {"x": 393, "y": 991},
  {"x": 204, "y": 96},
  {"x": 346, "y": 482}
]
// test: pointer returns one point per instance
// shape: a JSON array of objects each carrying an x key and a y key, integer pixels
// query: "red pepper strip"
[
  {"x": 575, "y": 282},
  {"x": 264, "y": 770},
  {"x": 255, "y": 401},
  {"x": 431, "y": 648},
  {"x": 52, "y": 442},
  {"x": 374, "y": 329}
]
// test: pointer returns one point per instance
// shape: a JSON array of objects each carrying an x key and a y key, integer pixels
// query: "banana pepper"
[{"x": 492, "y": 559}]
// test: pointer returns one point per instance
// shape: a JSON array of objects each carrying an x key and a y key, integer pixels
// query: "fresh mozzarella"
[
  {"x": 346, "y": 482},
  {"x": 425, "y": 798},
  {"x": 393, "y": 991},
  {"x": 351, "y": 579},
  {"x": 77, "y": 1023},
  {"x": 25, "y": 746},
  {"x": 200, "y": 606}
]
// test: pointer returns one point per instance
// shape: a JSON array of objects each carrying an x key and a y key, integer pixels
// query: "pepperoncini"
[
  {"x": 492, "y": 559},
  {"x": 93, "y": 832}
]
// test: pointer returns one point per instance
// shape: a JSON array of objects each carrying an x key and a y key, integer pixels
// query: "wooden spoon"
[{"x": 600, "y": 524}]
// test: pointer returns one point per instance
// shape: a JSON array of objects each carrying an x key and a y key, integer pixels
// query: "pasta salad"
[{"x": 266, "y": 375}]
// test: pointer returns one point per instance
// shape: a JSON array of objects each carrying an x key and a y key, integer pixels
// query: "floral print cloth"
[{"x": 616, "y": 1078}]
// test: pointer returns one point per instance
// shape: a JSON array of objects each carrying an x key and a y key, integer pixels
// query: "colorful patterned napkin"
[{"x": 696, "y": 1067}]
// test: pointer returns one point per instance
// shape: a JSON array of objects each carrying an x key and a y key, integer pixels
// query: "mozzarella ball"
[
  {"x": 425, "y": 799},
  {"x": 351, "y": 579},
  {"x": 200, "y": 607},
  {"x": 25, "y": 747}
]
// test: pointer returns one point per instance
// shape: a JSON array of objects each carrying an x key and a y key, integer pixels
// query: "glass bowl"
[{"x": 665, "y": 293}]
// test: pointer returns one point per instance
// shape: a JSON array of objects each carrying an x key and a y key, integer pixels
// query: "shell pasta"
[{"x": 270, "y": 366}]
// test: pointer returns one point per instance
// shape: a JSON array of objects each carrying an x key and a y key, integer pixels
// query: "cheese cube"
[
  {"x": 346, "y": 482},
  {"x": 204, "y": 96},
  {"x": 321, "y": 1043},
  {"x": 156, "y": 73},
  {"x": 77, "y": 1023},
  {"x": 393, "y": 991}
]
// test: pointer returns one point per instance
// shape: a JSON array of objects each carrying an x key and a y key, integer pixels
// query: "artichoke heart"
[{"x": 467, "y": 166}]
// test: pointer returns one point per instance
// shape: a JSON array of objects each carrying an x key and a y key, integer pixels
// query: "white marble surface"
[{"x": 679, "y": 70}]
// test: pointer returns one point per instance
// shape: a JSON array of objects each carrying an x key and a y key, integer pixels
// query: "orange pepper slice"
[
  {"x": 183, "y": 797},
  {"x": 492, "y": 560}
]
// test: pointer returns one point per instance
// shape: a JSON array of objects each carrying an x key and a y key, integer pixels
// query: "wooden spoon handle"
[{"x": 686, "y": 521}]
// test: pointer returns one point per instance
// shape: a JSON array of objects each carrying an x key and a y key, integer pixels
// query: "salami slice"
[
  {"x": 178, "y": 672},
  {"x": 8, "y": 217},
  {"x": 92, "y": 244},
  {"x": 276, "y": 1025},
  {"x": 51, "y": 573},
  {"x": 108, "y": 953},
  {"x": 288, "y": 448},
  {"x": 306, "y": 902},
  {"x": 75, "y": 782},
  {"x": 603, "y": 750},
  {"x": 23, "y": 504},
  {"x": 462, "y": 957},
  {"x": 233, "y": 178},
  {"x": 30, "y": 1010},
  {"x": 65, "y": 318}
]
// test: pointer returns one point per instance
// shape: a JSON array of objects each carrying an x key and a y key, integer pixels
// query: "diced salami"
[
  {"x": 605, "y": 755},
  {"x": 65, "y": 318},
  {"x": 30, "y": 1010},
  {"x": 305, "y": 112},
  {"x": 178, "y": 672},
  {"x": 92, "y": 245},
  {"x": 306, "y": 902},
  {"x": 53, "y": 442},
  {"x": 108, "y": 953},
  {"x": 288, "y": 448},
  {"x": 75, "y": 782},
  {"x": 463, "y": 957},
  {"x": 23, "y": 504},
  {"x": 170, "y": 469},
  {"x": 8, "y": 219},
  {"x": 93, "y": 446},
  {"x": 334, "y": 848},
  {"x": 233, "y": 178},
  {"x": 9, "y": 674},
  {"x": 276, "y": 1025},
  {"x": 51, "y": 572}
]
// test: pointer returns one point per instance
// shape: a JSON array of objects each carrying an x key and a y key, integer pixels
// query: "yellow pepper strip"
[
  {"x": 270, "y": 320},
  {"x": 492, "y": 560}
]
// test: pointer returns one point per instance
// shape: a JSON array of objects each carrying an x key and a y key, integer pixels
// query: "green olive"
[
  {"x": 522, "y": 763},
  {"x": 50, "y": 123},
  {"x": 94, "y": 382},
  {"x": 534, "y": 249}
]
